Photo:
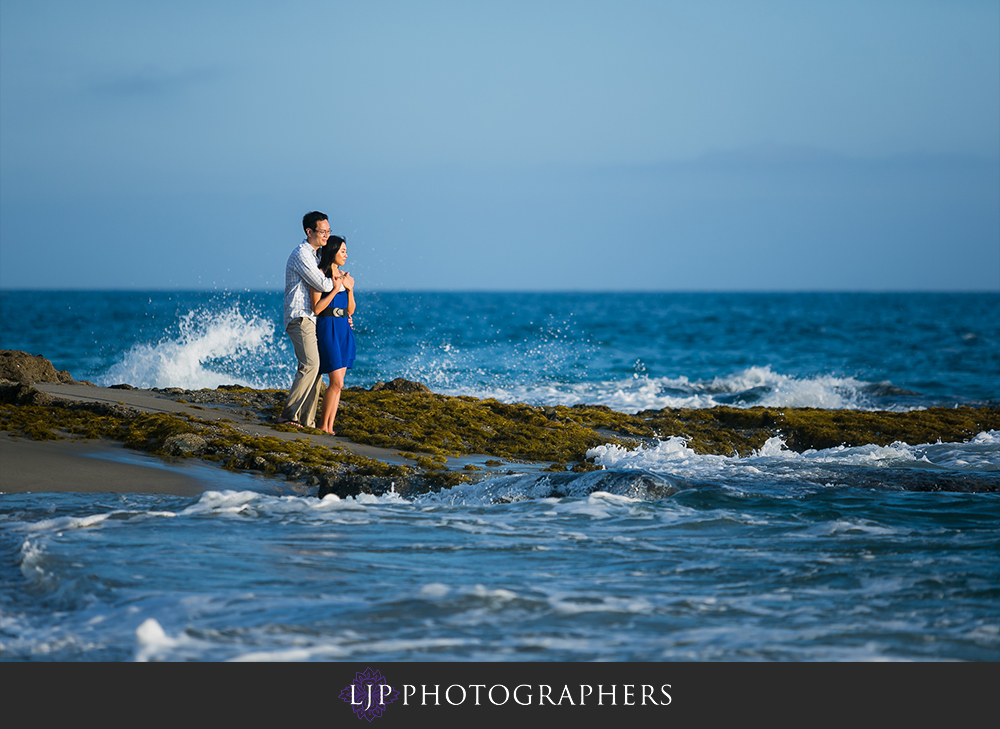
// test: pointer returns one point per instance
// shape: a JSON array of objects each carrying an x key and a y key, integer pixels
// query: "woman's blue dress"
[{"x": 335, "y": 337}]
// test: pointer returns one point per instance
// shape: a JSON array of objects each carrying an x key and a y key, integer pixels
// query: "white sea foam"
[
  {"x": 23, "y": 636},
  {"x": 550, "y": 377},
  {"x": 982, "y": 453},
  {"x": 598, "y": 505},
  {"x": 66, "y": 523},
  {"x": 153, "y": 643},
  {"x": 754, "y": 386},
  {"x": 851, "y": 527},
  {"x": 222, "y": 502},
  {"x": 601, "y": 490},
  {"x": 152, "y": 640},
  {"x": 579, "y": 604},
  {"x": 33, "y": 563},
  {"x": 434, "y": 590},
  {"x": 673, "y": 457},
  {"x": 254, "y": 503},
  {"x": 212, "y": 348},
  {"x": 322, "y": 651},
  {"x": 481, "y": 591}
]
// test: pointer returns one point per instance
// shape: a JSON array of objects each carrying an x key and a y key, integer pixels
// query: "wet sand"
[
  {"x": 30, "y": 466},
  {"x": 74, "y": 465}
]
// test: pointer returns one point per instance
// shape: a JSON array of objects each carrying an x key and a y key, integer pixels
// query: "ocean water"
[{"x": 825, "y": 555}]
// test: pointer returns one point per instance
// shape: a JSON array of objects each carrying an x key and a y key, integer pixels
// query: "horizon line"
[{"x": 510, "y": 291}]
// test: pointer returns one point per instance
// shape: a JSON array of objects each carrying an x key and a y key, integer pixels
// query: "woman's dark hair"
[{"x": 329, "y": 252}]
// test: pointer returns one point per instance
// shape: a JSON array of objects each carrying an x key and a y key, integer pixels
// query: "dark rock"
[
  {"x": 113, "y": 410},
  {"x": 400, "y": 385},
  {"x": 185, "y": 444},
  {"x": 295, "y": 471},
  {"x": 346, "y": 484},
  {"x": 15, "y": 393},
  {"x": 28, "y": 369},
  {"x": 122, "y": 386},
  {"x": 634, "y": 484},
  {"x": 241, "y": 397},
  {"x": 237, "y": 450}
]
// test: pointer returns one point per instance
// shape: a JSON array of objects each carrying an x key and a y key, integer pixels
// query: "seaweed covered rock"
[
  {"x": 400, "y": 385},
  {"x": 428, "y": 429},
  {"x": 455, "y": 426},
  {"x": 184, "y": 444}
]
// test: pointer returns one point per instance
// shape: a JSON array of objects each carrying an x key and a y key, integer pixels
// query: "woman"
[{"x": 333, "y": 326}]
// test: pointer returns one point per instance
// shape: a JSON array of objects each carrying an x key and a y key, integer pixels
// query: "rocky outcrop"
[
  {"x": 346, "y": 485},
  {"x": 27, "y": 369},
  {"x": 184, "y": 444},
  {"x": 429, "y": 429},
  {"x": 16, "y": 393},
  {"x": 400, "y": 385}
]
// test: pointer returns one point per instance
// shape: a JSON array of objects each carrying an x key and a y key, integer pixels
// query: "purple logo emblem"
[{"x": 369, "y": 694}]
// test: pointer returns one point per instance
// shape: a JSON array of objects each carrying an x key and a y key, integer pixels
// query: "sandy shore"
[{"x": 87, "y": 466}]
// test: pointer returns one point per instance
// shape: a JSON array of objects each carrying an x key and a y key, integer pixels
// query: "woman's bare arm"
[
  {"x": 348, "y": 282},
  {"x": 322, "y": 300}
]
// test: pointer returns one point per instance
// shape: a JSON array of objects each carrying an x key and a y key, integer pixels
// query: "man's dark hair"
[{"x": 309, "y": 220}]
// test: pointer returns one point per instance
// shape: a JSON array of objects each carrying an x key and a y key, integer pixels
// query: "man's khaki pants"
[{"x": 303, "y": 398}]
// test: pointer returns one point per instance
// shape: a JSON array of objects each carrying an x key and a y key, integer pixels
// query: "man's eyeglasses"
[{"x": 324, "y": 232}]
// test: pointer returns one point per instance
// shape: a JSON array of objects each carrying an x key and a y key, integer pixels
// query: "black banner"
[{"x": 526, "y": 694}]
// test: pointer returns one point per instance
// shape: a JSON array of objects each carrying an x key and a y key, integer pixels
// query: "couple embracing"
[{"x": 319, "y": 302}]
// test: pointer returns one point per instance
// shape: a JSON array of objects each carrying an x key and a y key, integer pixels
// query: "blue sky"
[{"x": 503, "y": 146}]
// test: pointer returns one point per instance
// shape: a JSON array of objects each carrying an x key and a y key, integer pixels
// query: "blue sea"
[{"x": 777, "y": 556}]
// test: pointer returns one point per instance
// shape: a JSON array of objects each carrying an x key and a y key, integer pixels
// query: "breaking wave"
[
  {"x": 754, "y": 386},
  {"x": 210, "y": 348}
]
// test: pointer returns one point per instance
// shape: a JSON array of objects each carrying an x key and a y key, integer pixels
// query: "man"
[{"x": 301, "y": 275}]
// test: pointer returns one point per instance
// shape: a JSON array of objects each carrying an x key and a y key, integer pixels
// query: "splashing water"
[
  {"x": 754, "y": 386},
  {"x": 892, "y": 466},
  {"x": 211, "y": 348}
]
